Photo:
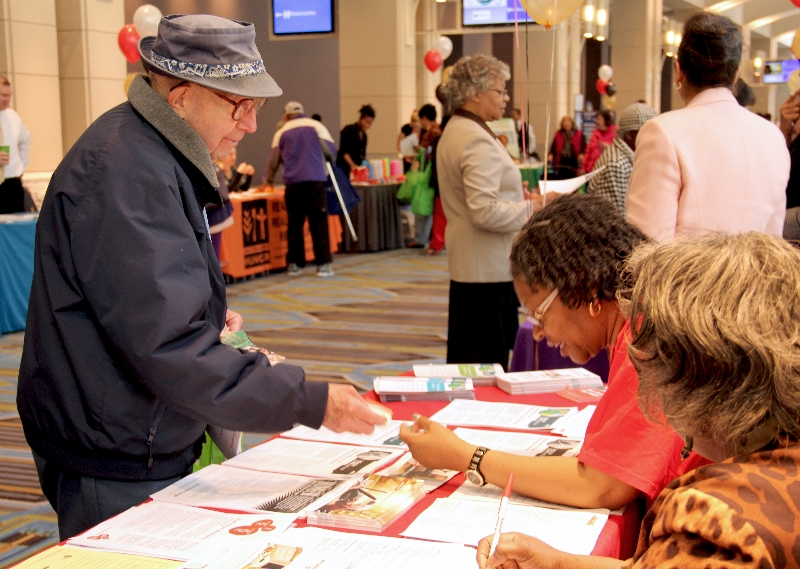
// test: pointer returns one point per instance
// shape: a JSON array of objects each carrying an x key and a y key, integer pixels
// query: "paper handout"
[
  {"x": 230, "y": 555},
  {"x": 408, "y": 467},
  {"x": 501, "y": 415},
  {"x": 65, "y": 557},
  {"x": 527, "y": 444},
  {"x": 384, "y": 435},
  {"x": 567, "y": 186}
]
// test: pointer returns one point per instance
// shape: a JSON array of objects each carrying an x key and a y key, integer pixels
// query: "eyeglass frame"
[
  {"x": 503, "y": 92},
  {"x": 258, "y": 104},
  {"x": 536, "y": 317}
]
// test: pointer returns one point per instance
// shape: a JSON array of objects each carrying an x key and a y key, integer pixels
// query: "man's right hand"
[
  {"x": 348, "y": 412},
  {"x": 3, "y": 158}
]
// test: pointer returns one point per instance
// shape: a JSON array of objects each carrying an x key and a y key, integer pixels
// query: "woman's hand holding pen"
[
  {"x": 435, "y": 446},
  {"x": 517, "y": 550}
]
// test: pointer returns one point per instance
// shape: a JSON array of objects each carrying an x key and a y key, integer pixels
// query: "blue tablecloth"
[
  {"x": 529, "y": 355},
  {"x": 17, "y": 236}
]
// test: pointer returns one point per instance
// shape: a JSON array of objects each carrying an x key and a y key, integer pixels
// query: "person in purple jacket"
[{"x": 303, "y": 145}]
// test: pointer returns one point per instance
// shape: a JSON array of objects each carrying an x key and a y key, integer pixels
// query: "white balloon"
[
  {"x": 146, "y": 19},
  {"x": 605, "y": 72},
  {"x": 444, "y": 45}
]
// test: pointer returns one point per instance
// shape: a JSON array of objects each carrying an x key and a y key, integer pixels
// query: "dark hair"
[
  {"x": 743, "y": 93},
  {"x": 427, "y": 111},
  {"x": 710, "y": 50},
  {"x": 608, "y": 116},
  {"x": 406, "y": 129},
  {"x": 366, "y": 111},
  {"x": 316, "y": 117},
  {"x": 575, "y": 244}
]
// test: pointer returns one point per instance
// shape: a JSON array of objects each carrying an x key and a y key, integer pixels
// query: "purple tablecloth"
[{"x": 530, "y": 355}]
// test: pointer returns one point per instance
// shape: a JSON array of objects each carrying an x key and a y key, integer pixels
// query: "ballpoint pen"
[{"x": 501, "y": 513}]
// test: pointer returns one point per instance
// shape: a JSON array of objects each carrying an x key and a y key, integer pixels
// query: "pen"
[{"x": 501, "y": 513}]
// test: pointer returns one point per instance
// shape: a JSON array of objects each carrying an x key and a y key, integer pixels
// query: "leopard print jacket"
[{"x": 742, "y": 512}]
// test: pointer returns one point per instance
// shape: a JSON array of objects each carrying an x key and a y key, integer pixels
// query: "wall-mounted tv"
[
  {"x": 302, "y": 17},
  {"x": 778, "y": 71},
  {"x": 492, "y": 12}
]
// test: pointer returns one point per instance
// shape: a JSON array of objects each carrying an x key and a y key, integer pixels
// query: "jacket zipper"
[{"x": 152, "y": 433}]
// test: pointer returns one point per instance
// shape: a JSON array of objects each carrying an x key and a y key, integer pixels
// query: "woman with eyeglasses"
[
  {"x": 485, "y": 205},
  {"x": 565, "y": 267}
]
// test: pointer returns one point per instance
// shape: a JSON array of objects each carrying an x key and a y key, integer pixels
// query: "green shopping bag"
[{"x": 419, "y": 175}]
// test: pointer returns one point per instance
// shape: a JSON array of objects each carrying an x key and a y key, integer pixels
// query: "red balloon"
[
  {"x": 601, "y": 85},
  {"x": 128, "y": 40},
  {"x": 433, "y": 60},
  {"x": 796, "y": 3}
]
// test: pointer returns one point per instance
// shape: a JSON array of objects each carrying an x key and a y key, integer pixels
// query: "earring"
[
  {"x": 677, "y": 85},
  {"x": 592, "y": 312}
]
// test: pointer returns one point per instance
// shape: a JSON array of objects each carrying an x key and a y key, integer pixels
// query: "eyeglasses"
[
  {"x": 503, "y": 93},
  {"x": 240, "y": 108},
  {"x": 536, "y": 318}
]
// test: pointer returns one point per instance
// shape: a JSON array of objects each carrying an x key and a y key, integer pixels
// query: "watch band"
[{"x": 477, "y": 457}]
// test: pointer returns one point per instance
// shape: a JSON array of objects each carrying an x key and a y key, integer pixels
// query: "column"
[
  {"x": 29, "y": 58},
  {"x": 377, "y": 65},
  {"x": 91, "y": 67}
]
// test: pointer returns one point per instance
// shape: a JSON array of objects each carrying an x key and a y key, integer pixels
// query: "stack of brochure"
[
  {"x": 545, "y": 381},
  {"x": 400, "y": 388},
  {"x": 370, "y": 504},
  {"x": 480, "y": 374}
]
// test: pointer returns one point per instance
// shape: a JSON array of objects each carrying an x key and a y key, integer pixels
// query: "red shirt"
[{"x": 622, "y": 443}]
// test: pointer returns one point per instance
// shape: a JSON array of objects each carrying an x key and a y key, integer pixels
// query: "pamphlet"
[
  {"x": 409, "y": 467},
  {"x": 66, "y": 557},
  {"x": 492, "y": 493},
  {"x": 232, "y": 555},
  {"x": 583, "y": 395},
  {"x": 387, "y": 435},
  {"x": 501, "y": 415},
  {"x": 390, "y": 389},
  {"x": 546, "y": 381},
  {"x": 527, "y": 444}
]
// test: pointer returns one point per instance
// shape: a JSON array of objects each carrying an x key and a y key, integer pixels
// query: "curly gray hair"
[{"x": 472, "y": 75}]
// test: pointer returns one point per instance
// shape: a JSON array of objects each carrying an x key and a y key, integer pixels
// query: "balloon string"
[
  {"x": 550, "y": 99},
  {"x": 521, "y": 98}
]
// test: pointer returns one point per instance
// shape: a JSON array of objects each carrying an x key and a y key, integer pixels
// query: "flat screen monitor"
[
  {"x": 778, "y": 71},
  {"x": 302, "y": 17},
  {"x": 492, "y": 12}
]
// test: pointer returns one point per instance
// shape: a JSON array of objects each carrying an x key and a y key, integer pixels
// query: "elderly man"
[
  {"x": 612, "y": 182},
  {"x": 16, "y": 139},
  {"x": 122, "y": 368},
  {"x": 302, "y": 145}
]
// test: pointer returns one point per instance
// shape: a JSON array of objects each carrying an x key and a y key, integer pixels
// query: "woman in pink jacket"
[{"x": 603, "y": 136}]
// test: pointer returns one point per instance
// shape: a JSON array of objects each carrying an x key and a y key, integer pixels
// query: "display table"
[
  {"x": 376, "y": 219},
  {"x": 529, "y": 355},
  {"x": 257, "y": 240},
  {"x": 17, "y": 237}
]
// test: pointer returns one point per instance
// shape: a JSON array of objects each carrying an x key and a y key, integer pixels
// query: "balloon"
[
  {"x": 433, "y": 60},
  {"x": 611, "y": 89},
  {"x": 146, "y": 19},
  {"x": 794, "y": 81},
  {"x": 128, "y": 41},
  {"x": 605, "y": 72},
  {"x": 444, "y": 45},
  {"x": 608, "y": 101},
  {"x": 128, "y": 81},
  {"x": 543, "y": 11},
  {"x": 446, "y": 73},
  {"x": 601, "y": 86},
  {"x": 796, "y": 3},
  {"x": 796, "y": 44}
]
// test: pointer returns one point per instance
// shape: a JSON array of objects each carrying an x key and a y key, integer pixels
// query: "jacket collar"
[
  {"x": 713, "y": 95},
  {"x": 156, "y": 111},
  {"x": 459, "y": 112}
]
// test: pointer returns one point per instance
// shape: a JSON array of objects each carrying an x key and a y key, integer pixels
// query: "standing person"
[
  {"x": 221, "y": 217},
  {"x": 17, "y": 138},
  {"x": 237, "y": 180},
  {"x": 612, "y": 182},
  {"x": 303, "y": 145},
  {"x": 353, "y": 140},
  {"x": 431, "y": 131},
  {"x": 530, "y": 137},
  {"x": 122, "y": 368},
  {"x": 713, "y": 165},
  {"x": 567, "y": 150},
  {"x": 485, "y": 205},
  {"x": 603, "y": 136}
]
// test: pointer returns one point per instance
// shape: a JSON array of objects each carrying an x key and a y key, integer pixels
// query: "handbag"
[{"x": 422, "y": 197}]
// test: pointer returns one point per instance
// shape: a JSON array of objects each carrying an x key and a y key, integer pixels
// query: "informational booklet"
[
  {"x": 310, "y": 458},
  {"x": 232, "y": 555},
  {"x": 527, "y": 444},
  {"x": 408, "y": 467},
  {"x": 392, "y": 389},
  {"x": 174, "y": 531},
  {"x": 387, "y": 435},
  {"x": 226, "y": 487},
  {"x": 458, "y": 370},
  {"x": 501, "y": 415},
  {"x": 378, "y": 552},
  {"x": 468, "y": 521},
  {"x": 66, "y": 557},
  {"x": 583, "y": 395},
  {"x": 546, "y": 381},
  {"x": 372, "y": 503},
  {"x": 574, "y": 426}
]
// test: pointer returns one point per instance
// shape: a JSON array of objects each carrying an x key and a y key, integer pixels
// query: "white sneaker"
[
  {"x": 293, "y": 270},
  {"x": 325, "y": 270}
]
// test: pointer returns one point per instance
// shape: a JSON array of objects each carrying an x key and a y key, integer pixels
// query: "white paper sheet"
[
  {"x": 527, "y": 444},
  {"x": 173, "y": 531},
  {"x": 468, "y": 521},
  {"x": 376, "y": 552},
  {"x": 226, "y": 487},
  {"x": 408, "y": 143},
  {"x": 314, "y": 459},
  {"x": 492, "y": 493},
  {"x": 230, "y": 555},
  {"x": 457, "y": 370},
  {"x": 575, "y": 425},
  {"x": 567, "y": 186},
  {"x": 384, "y": 435},
  {"x": 501, "y": 415}
]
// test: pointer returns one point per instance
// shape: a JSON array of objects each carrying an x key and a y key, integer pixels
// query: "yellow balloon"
[
  {"x": 794, "y": 81},
  {"x": 608, "y": 101},
  {"x": 796, "y": 44},
  {"x": 544, "y": 12},
  {"x": 446, "y": 73},
  {"x": 128, "y": 81}
]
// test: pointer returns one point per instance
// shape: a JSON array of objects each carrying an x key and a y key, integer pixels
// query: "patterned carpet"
[{"x": 378, "y": 315}]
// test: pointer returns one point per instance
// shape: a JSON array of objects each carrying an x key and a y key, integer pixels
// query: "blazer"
[
  {"x": 481, "y": 192},
  {"x": 712, "y": 166}
]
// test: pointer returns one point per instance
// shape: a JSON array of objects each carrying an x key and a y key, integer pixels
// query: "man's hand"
[
  {"x": 246, "y": 169},
  {"x": 233, "y": 320},
  {"x": 436, "y": 446},
  {"x": 348, "y": 412},
  {"x": 790, "y": 113},
  {"x": 3, "y": 158}
]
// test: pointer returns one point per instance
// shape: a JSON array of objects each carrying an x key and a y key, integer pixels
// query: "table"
[
  {"x": 376, "y": 219},
  {"x": 17, "y": 237},
  {"x": 257, "y": 240},
  {"x": 529, "y": 355}
]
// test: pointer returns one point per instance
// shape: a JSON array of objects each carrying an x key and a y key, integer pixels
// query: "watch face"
[{"x": 475, "y": 477}]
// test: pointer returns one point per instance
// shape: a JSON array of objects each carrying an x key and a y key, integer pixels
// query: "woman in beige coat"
[{"x": 485, "y": 205}]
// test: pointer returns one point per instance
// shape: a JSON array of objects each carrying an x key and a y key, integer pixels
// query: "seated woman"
[
  {"x": 716, "y": 347},
  {"x": 565, "y": 269}
]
